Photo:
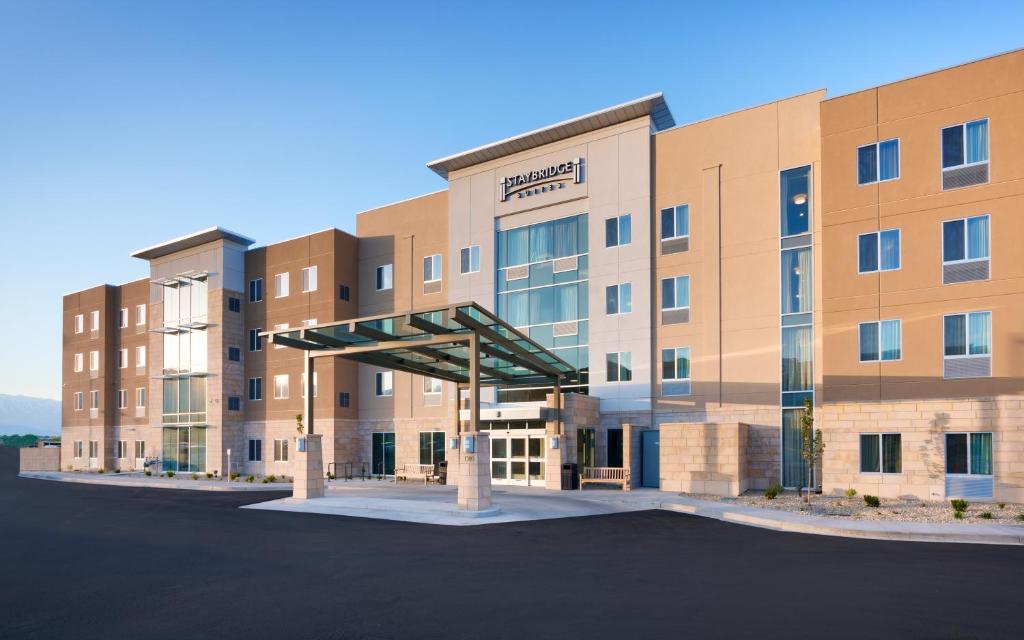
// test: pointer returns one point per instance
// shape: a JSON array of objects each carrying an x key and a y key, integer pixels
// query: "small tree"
[
  {"x": 298, "y": 423},
  {"x": 811, "y": 443}
]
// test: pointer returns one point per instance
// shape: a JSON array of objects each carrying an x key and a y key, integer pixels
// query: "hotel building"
[{"x": 704, "y": 279}]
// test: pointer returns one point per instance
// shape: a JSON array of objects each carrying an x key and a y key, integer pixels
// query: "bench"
[
  {"x": 406, "y": 471},
  {"x": 605, "y": 475}
]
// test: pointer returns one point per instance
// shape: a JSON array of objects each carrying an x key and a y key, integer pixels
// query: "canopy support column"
[
  {"x": 309, "y": 459},
  {"x": 475, "y": 454}
]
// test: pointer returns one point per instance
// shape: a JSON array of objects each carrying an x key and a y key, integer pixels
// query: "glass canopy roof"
[{"x": 435, "y": 343}]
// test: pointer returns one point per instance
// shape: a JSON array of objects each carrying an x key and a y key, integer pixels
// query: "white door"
[{"x": 517, "y": 457}]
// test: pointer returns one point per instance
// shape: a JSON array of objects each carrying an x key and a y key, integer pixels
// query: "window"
[
  {"x": 234, "y": 403},
  {"x": 78, "y": 448},
  {"x": 881, "y": 453},
  {"x": 281, "y": 285},
  {"x": 255, "y": 388},
  {"x": 344, "y": 400},
  {"x": 469, "y": 259},
  {"x": 140, "y": 449},
  {"x": 309, "y": 323},
  {"x": 618, "y": 231},
  {"x": 94, "y": 318},
  {"x": 122, "y": 449},
  {"x": 94, "y": 399},
  {"x": 94, "y": 448},
  {"x": 124, "y": 318},
  {"x": 234, "y": 354},
  {"x": 432, "y": 268},
  {"x": 281, "y": 386},
  {"x": 619, "y": 366},
  {"x": 965, "y": 239},
  {"x": 964, "y": 144},
  {"x": 880, "y": 340},
  {"x": 967, "y": 334},
  {"x": 618, "y": 298},
  {"x": 878, "y": 162},
  {"x": 256, "y": 290},
  {"x": 122, "y": 359},
  {"x": 675, "y": 222},
  {"x": 79, "y": 323},
  {"x": 969, "y": 454},
  {"x": 431, "y": 386},
  {"x": 878, "y": 251},
  {"x": 343, "y": 292},
  {"x": 308, "y": 279},
  {"x": 302, "y": 379},
  {"x": 140, "y": 356},
  {"x": 122, "y": 398},
  {"x": 140, "y": 314},
  {"x": 140, "y": 398},
  {"x": 675, "y": 364},
  {"x": 431, "y": 447},
  {"x": 384, "y": 277},
  {"x": 675, "y": 293},
  {"x": 797, "y": 296},
  {"x": 94, "y": 361},
  {"x": 278, "y": 327},
  {"x": 79, "y": 363},
  {"x": 280, "y": 451},
  {"x": 234, "y": 304},
  {"x": 255, "y": 450},
  {"x": 795, "y": 194},
  {"x": 383, "y": 383},
  {"x": 79, "y": 401},
  {"x": 255, "y": 340}
]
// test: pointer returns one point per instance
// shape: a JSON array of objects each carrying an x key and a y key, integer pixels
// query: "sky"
[{"x": 123, "y": 124}]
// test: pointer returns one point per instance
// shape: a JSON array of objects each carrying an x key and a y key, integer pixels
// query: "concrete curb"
[
  {"x": 181, "y": 485},
  {"x": 818, "y": 525}
]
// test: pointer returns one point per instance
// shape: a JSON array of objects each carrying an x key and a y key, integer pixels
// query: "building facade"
[{"x": 705, "y": 279}]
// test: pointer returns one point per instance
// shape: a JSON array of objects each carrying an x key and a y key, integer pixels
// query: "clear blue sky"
[{"x": 126, "y": 123}]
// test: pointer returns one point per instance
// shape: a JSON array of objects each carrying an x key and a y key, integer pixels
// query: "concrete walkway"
[
  {"x": 139, "y": 479},
  {"x": 870, "y": 529}
]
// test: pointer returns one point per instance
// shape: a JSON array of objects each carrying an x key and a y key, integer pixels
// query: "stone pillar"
[
  {"x": 309, "y": 467},
  {"x": 627, "y": 455},
  {"x": 474, "y": 484}
]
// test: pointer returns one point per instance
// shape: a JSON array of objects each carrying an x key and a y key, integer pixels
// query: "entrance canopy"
[{"x": 462, "y": 343}]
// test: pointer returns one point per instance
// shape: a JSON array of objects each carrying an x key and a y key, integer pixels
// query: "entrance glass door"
[
  {"x": 383, "y": 454},
  {"x": 517, "y": 458}
]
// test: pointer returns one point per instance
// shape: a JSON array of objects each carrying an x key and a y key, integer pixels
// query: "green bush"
[
  {"x": 959, "y": 504},
  {"x": 773, "y": 490},
  {"x": 209, "y": 476},
  {"x": 169, "y": 474},
  {"x": 330, "y": 476},
  {"x": 271, "y": 478},
  {"x": 251, "y": 479},
  {"x": 1020, "y": 517},
  {"x": 872, "y": 501},
  {"x": 1002, "y": 505},
  {"x": 101, "y": 470},
  {"x": 985, "y": 515},
  {"x": 195, "y": 476},
  {"x": 233, "y": 475},
  {"x": 148, "y": 472},
  {"x": 959, "y": 515},
  {"x": 117, "y": 471},
  {"x": 850, "y": 492}
]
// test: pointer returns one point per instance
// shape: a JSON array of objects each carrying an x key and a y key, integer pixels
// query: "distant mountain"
[{"x": 24, "y": 414}]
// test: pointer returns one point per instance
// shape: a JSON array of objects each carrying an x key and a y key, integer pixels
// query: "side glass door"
[
  {"x": 586, "y": 448},
  {"x": 383, "y": 453},
  {"x": 499, "y": 458},
  {"x": 536, "y": 460},
  {"x": 517, "y": 455}
]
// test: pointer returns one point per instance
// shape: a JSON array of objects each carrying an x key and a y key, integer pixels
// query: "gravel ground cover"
[{"x": 896, "y": 509}]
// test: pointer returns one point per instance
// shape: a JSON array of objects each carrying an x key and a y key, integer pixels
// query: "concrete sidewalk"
[
  {"x": 138, "y": 479},
  {"x": 869, "y": 529}
]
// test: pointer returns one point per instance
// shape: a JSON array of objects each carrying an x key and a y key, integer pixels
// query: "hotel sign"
[{"x": 541, "y": 180}]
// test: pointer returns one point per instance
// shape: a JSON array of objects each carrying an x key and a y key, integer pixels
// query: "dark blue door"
[{"x": 650, "y": 457}]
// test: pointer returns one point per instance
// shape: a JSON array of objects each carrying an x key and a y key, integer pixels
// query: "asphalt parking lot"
[{"x": 80, "y": 561}]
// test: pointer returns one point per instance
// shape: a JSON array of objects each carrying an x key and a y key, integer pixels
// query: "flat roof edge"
[{"x": 204, "y": 236}]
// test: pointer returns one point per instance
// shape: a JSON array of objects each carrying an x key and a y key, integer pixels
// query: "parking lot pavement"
[{"x": 85, "y": 561}]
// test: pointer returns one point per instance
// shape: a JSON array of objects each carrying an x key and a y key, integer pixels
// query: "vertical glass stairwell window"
[{"x": 185, "y": 360}]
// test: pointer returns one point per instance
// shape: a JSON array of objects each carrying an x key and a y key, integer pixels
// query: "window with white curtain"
[
  {"x": 432, "y": 268},
  {"x": 878, "y": 162},
  {"x": 383, "y": 383},
  {"x": 94, "y": 319},
  {"x": 383, "y": 277},
  {"x": 675, "y": 293},
  {"x": 878, "y": 251},
  {"x": 281, "y": 285},
  {"x": 675, "y": 364},
  {"x": 675, "y": 222},
  {"x": 124, "y": 318},
  {"x": 281, "y": 386},
  {"x": 79, "y": 323},
  {"x": 431, "y": 386},
  {"x": 94, "y": 361},
  {"x": 469, "y": 259},
  {"x": 881, "y": 453},
  {"x": 964, "y": 144},
  {"x": 881, "y": 340},
  {"x": 79, "y": 363},
  {"x": 797, "y": 357},
  {"x": 969, "y": 454},
  {"x": 140, "y": 314},
  {"x": 967, "y": 334},
  {"x": 797, "y": 296},
  {"x": 309, "y": 279},
  {"x": 618, "y": 298},
  {"x": 965, "y": 239}
]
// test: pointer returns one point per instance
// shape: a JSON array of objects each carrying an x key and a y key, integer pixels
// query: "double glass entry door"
[{"x": 517, "y": 458}]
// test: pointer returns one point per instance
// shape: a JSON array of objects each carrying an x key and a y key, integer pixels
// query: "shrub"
[
  {"x": 271, "y": 478},
  {"x": 959, "y": 504},
  {"x": 872, "y": 501},
  {"x": 850, "y": 492},
  {"x": 148, "y": 472},
  {"x": 169, "y": 474},
  {"x": 266, "y": 480},
  {"x": 773, "y": 490},
  {"x": 330, "y": 476},
  {"x": 985, "y": 515},
  {"x": 117, "y": 471},
  {"x": 959, "y": 515},
  {"x": 1002, "y": 505},
  {"x": 209, "y": 476},
  {"x": 195, "y": 476},
  {"x": 1020, "y": 517},
  {"x": 251, "y": 479},
  {"x": 233, "y": 475},
  {"x": 101, "y": 470}
]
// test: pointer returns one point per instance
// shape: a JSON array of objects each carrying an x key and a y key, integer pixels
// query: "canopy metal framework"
[{"x": 461, "y": 343}]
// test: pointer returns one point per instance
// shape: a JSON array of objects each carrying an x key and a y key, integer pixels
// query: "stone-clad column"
[
  {"x": 309, "y": 474},
  {"x": 475, "y": 471}
]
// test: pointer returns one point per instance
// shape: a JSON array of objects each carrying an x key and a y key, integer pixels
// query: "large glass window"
[
  {"x": 184, "y": 449},
  {"x": 969, "y": 453},
  {"x": 675, "y": 222},
  {"x": 431, "y": 447},
  {"x": 797, "y": 296},
  {"x": 797, "y": 358},
  {"x": 967, "y": 334},
  {"x": 878, "y": 162},
  {"x": 675, "y": 293},
  {"x": 881, "y": 453},
  {"x": 795, "y": 472},
  {"x": 184, "y": 401},
  {"x": 878, "y": 251},
  {"x": 880, "y": 340},
  {"x": 795, "y": 192},
  {"x": 965, "y": 144},
  {"x": 965, "y": 239},
  {"x": 382, "y": 455}
]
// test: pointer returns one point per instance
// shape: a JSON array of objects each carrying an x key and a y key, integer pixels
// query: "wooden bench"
[
  {"x": 605, "y": 475},
  {"x": 406, "y": 471}
]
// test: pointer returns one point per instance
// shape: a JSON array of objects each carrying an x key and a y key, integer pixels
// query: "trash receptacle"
[{"x": 570, "y": 479}]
